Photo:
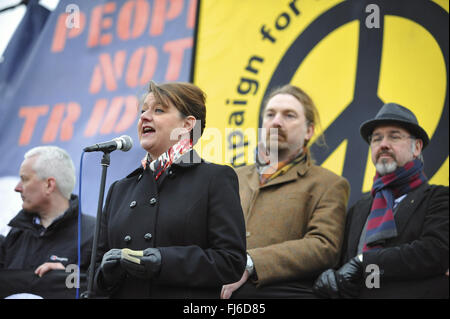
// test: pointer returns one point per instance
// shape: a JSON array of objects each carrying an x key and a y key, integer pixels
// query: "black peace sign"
[{"x": 366, "y": 103}]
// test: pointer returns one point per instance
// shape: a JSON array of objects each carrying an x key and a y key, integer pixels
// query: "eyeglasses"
[{"x": 392, "y": 138}]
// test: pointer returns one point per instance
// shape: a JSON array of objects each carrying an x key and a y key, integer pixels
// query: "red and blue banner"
[{"x": 74, "y": 77}]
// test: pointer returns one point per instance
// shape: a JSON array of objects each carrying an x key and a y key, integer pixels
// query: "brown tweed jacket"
[{"x": 295, "y": 222}]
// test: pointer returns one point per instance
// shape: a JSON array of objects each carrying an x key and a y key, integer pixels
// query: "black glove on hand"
[
  {"x": 326, "y": 285},
  {"x": 349, "y": 278},
  {"x": 110, "y": 267},
  {"x": 141, "y": 263},
  {"x": 342, "y": 283}
]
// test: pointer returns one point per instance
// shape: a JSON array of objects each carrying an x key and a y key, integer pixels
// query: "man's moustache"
[
  {"x": 385, "y": 153},
  {"x": 282, "y": 134}
]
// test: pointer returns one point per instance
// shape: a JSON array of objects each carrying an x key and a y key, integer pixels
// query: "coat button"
[
  {"x": 133, "y": 204},
  {"x": 148, "y": 236},
  {"x": 127, "y": 238},
  {"x": 153, "y": 201},
  {"x": 171, "y": 173}
]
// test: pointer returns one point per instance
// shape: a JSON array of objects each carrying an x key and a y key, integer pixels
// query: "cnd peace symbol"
[{"x": 366, "y": 103}]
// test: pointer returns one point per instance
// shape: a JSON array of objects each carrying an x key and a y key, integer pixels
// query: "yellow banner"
[{"x": 349, "y": 56}]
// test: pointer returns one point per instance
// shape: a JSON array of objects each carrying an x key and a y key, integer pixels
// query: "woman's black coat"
[{"x": 192, "y": 214}]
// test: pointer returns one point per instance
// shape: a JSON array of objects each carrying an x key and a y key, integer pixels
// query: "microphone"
[{"x": 123, "y": 143}]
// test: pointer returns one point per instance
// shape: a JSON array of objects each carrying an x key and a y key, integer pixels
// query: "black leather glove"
[
  {"x": 144, "y": 264},
  {"x": 349, "y": 278},
  {"x": 110, "y": 267},
  {"x": 326, "y": 285},
  {"x": 342, "y": 283}
]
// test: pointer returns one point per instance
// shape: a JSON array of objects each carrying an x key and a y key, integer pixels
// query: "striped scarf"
[
  {"x": 159, "y": 165},
  {"x": 381, "y": 223}
]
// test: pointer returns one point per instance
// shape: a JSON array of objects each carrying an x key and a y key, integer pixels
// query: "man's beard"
[
  {"x": 386, "y": 167},
  {"x": 282, "y": 148}
]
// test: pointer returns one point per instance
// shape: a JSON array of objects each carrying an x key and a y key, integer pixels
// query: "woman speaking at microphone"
[{"x": 174, "y": 227}]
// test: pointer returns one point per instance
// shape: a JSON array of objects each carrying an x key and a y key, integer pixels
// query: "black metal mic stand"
[{"x": 105, "y": 164}]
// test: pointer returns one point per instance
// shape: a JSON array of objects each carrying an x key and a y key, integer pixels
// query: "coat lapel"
[
  {"x": 360, "y": 213},
  {"x": 253, "y": 179},
  {"x": 362, "y": 210},
  {"x": 408, "y": 206},
  {"x": 252, "y": 187},
  {"x": 188, "y": 159},
  {"x": 250, "y": 190},
  {"x": 292, "y": 174}
]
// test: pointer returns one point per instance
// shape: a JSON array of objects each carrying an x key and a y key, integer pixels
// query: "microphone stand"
[{"x": 105, "y": 164}]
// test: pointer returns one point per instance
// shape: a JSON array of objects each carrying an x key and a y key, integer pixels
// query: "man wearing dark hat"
[{"x": 396, "y": 237}]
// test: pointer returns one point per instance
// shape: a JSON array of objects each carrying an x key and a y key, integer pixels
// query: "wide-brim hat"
[{"x": 392, "y": 113}]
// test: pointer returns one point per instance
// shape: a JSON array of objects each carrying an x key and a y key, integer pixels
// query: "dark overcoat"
[
  {"x": 192, "y": 213},
  {"x": 413, "y": 264}
]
